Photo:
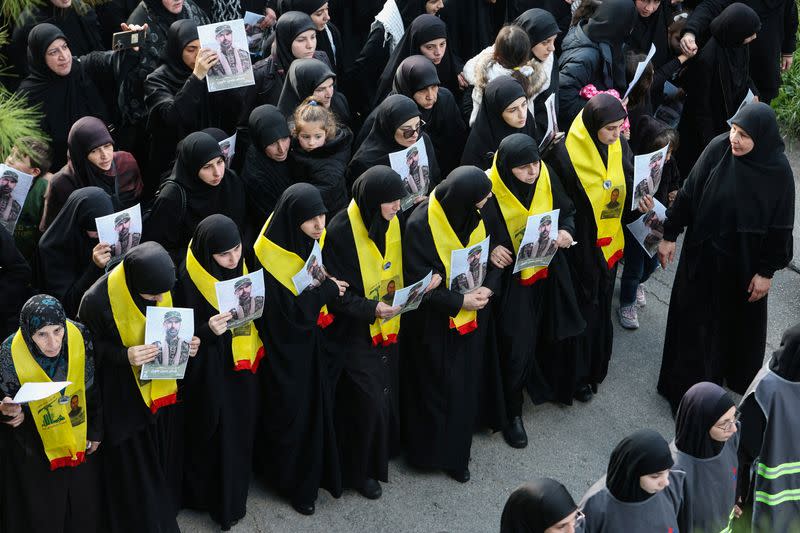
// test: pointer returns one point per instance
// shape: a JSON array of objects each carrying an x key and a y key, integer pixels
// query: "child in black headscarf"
[
  {"x": 640, "y": 491},
  {"x": 538, "y": 507},
  {"x": 39, "y": 463}
]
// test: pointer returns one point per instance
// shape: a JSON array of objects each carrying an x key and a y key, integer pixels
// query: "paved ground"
[{"x": 570, "y": 444}]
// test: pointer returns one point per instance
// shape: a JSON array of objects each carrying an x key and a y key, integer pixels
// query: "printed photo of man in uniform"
[
  {"x": 316, "y": 271},
  {"x": 125, "y": 239},
  {"x": 473, "y": 277},
  {"x": 613, "y": 208},
  {"x": 544, "y": 246},
  {"x": 9, "y": 207},
  {"x": 247, "y": 305},
  {"x": 232, "y": 60},
  {"x": 174, "y": 351},
  {"x": 418, "y": 176}
]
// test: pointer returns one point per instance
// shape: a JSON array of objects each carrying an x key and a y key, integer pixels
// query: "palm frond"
[{"x": 17, "y": 120}]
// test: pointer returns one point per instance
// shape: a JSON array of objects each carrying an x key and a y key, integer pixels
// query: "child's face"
[
  {"x": 311, "y": 136},
  {"x": 18, "y": 161}
]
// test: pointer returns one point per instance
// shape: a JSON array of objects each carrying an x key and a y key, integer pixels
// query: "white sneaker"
[
  {"x": 628, "y": 318},
  {"x": 641, "y": 299}
]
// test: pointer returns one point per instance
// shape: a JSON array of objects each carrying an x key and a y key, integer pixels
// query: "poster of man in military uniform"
[
  {"x": 121, "y": 230},
  {"x": 14, "y": 187},
  {"x": 538, "y": 244},
  {"x": 242, "y": 297},
  {"x": 229, "y": 40},
  {"x": 412, "y": 166},
  {"x": 468, "y": 267},
  {"x": 170, "y": 329}
]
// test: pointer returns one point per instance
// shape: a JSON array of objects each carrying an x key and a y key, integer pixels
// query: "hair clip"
[{"x": 313, "y": 102}]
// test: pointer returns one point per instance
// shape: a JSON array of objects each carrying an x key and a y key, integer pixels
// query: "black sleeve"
[
  {"x": 164, "y": 222},
  {"x": 72, "y": 298},
  {"x": 574, "y": 74},
  {"x": 181, "y": 108},
  {"x": 94, "y": 405},
  {"x": 107, "y": 350},
  {"x": 700, "y": 19},
  {"x": 789, "y": 28},
  {"x": 753, "y": 424},
  {"x": 777, "y": 252},
  {"x": 566, "y": 214}
]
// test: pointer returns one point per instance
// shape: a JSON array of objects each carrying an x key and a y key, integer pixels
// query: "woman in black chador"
[
  {"x": 220, "y": 387},
  {"x": 737, "y": 204},
  {"x": 449, "y": 371},
  {"x": 297, "y": 444}
]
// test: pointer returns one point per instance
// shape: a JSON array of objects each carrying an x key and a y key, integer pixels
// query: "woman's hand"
[
  {"x": 218, "y": 324},
  {"x": 101, "y": 254},
  {"x": 564, "y": 239},
  {"x": 688, "y": 44},
  {"x": 501, "y": 256},
  {"x": 91, "y": 446},
  {"x": 646, "y": 204},
  {"x": 666, "y": 253},
  {"x": 133, "y": 27},
  {"x": 786, "y": 62},
  {"x": 420, "y": 199},
  {"x": 384, "y": 311},
  {"x": 194, "y": 346},
  {"x": 759, "y": 287},
  {"x": 436, "y": 280},
  {"x": 737, "y": 511},
  {"x": 13, "y": 410},
  {"x": 144, "y": 353},
  {"x": 477, "y": 299},
  {"x": 206, "y": 59},
  {"x": 341, "y": 284},
  {"x": 269, "y": 19},
  {"x": 672, "y": 195}
]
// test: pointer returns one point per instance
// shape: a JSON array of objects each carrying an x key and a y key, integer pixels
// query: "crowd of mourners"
[{"x": 523, "y": 107}]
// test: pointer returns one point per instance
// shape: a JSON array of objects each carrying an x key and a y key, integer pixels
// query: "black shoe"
[
  {"x": 461, "y": 475},
  {"x": 371, "y": 489},
  {"x": 305, "y": 508},
  {"x": 584, "y": 394},
  {"x": 514, "y": 433}
]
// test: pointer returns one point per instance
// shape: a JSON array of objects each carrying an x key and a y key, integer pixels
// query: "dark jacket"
[
  {"x": 324, "y": 168},
  {"x": 582, "y": 62}
]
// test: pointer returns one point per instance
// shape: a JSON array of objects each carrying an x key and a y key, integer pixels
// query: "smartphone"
[{"x": 128, "y": 39}]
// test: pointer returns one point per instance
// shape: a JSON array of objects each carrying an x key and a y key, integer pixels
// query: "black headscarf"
[
  {"x": 264, "y": 178},
  {"x": 516, "y": 150},
  {"x": 609, "y": 26},
  {"x": 410, "y": 9},
  {"x": 298, "y": 203},
  {"x": 85, "y": 135},
  {"x": 181, "y": 32},
  {"x": 490, "y": 128},
  {"x": 652, "y": 30},
  {"x": 786, "y": 360},
  {"x": 761, "y": 181},
  {"x": 536, "y": 506},
  {"x": 289, "y": 26},
  {"x": 414, "y": 74},
  {"x": 539, "y": 24},
  {"x": 458, "y": 193},
  {"x": 639, "y": 454},
  {"x": 40, "y": 311},
  {"x": 702, "y": 405},
  {"x": 161, "y": 16},
  {"x": 390, "y": 115},
  {"x": 65, "y": 250},
  {"x": 425, "y": 28},
  {"x": 729, "y": 30},
  {"x": 216, "y": 234},
  {"x": 378, "y": 185},
  {"x": 148, "y": 270},
  {"x": 303, "y": 77},
  {"x": 736, "y": 23},
  {"x": 600, "y": 110}
]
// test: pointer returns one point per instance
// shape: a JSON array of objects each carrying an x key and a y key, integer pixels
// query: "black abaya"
[
  {"x": 739, "y": 215},
  {"x": 15, "y": 283},
  {"x": 297, "y": 443}
]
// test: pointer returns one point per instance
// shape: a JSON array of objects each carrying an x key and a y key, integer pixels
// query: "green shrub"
[{"x": 787, "y": 103}]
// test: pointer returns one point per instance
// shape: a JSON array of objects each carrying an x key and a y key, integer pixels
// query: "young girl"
[{"x": 320, "y": 152}]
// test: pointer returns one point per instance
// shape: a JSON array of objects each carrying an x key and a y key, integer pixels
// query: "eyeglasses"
[
  {"x": 727, "y": 425},
  {"x": 409, "y": 132}
]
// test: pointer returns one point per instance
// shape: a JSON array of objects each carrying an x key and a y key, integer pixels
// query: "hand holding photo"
[
  {"x": 313, "y": 272},
  {"x": 409, "y": 298},
  {"x": 412, "y": 165},
  {"x": 648, "y": 229},
  {"x": 233, "y": 68},
  {"x": 468, "y": 267},
  {"x": 14, "y": 187},
  {"x": 538, "y": 245},
  {"x": 647, "y": 170},
  {"x": 242, "y": 297},
  {"x": 121, "y": 230},
  {"x": 170, "y": 329}
]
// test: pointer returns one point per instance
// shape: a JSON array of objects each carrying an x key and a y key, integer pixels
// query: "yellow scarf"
[
  {"x": 445, "y": 240},
  {"x": 64, "y": 440},
  {"x": 377, "y": 270},
  {"x": 598, "y": 182},
  {"x": 156, "y": 393},
  {"x": 515, "y": 215},
  {"x": 283, "y": 264},
  {"x": 247, "y": 349}
]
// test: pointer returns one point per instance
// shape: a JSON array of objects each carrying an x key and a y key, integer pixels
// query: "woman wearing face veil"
[
  {"x": 522, "y": 185},
  {"x": 45, "y": 462},
  {"x": 706, "y": 439},
  {"x": 595, "y": 167},
  {"x": 397, "y": 126},
  {"x": 69, "y": 258},
  {"x": 221, "y": 386},
  {"x": 266, "y": 170},
  {"x": 424, "y": 30},
  {"x": 716, "y": 81},
  {"x": 542, "y": 506},
  {"x": 504, "y": 111},
  {"x": 177, "y": 97},
  {"x": 592, "y": 53},
  {"x": 143, "y": 444},
  {"x": 448, "y": 366},
  {"x": 769, "y": 443},
  {"x": 199, "y": 186},
  {"x": 737, "y": 205},
  {"x": 298, "y": 442},
  {"x": 639, "y": 492},
  {"x": 69, "y": 87},
  {"x": 93, "y": 162}
]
